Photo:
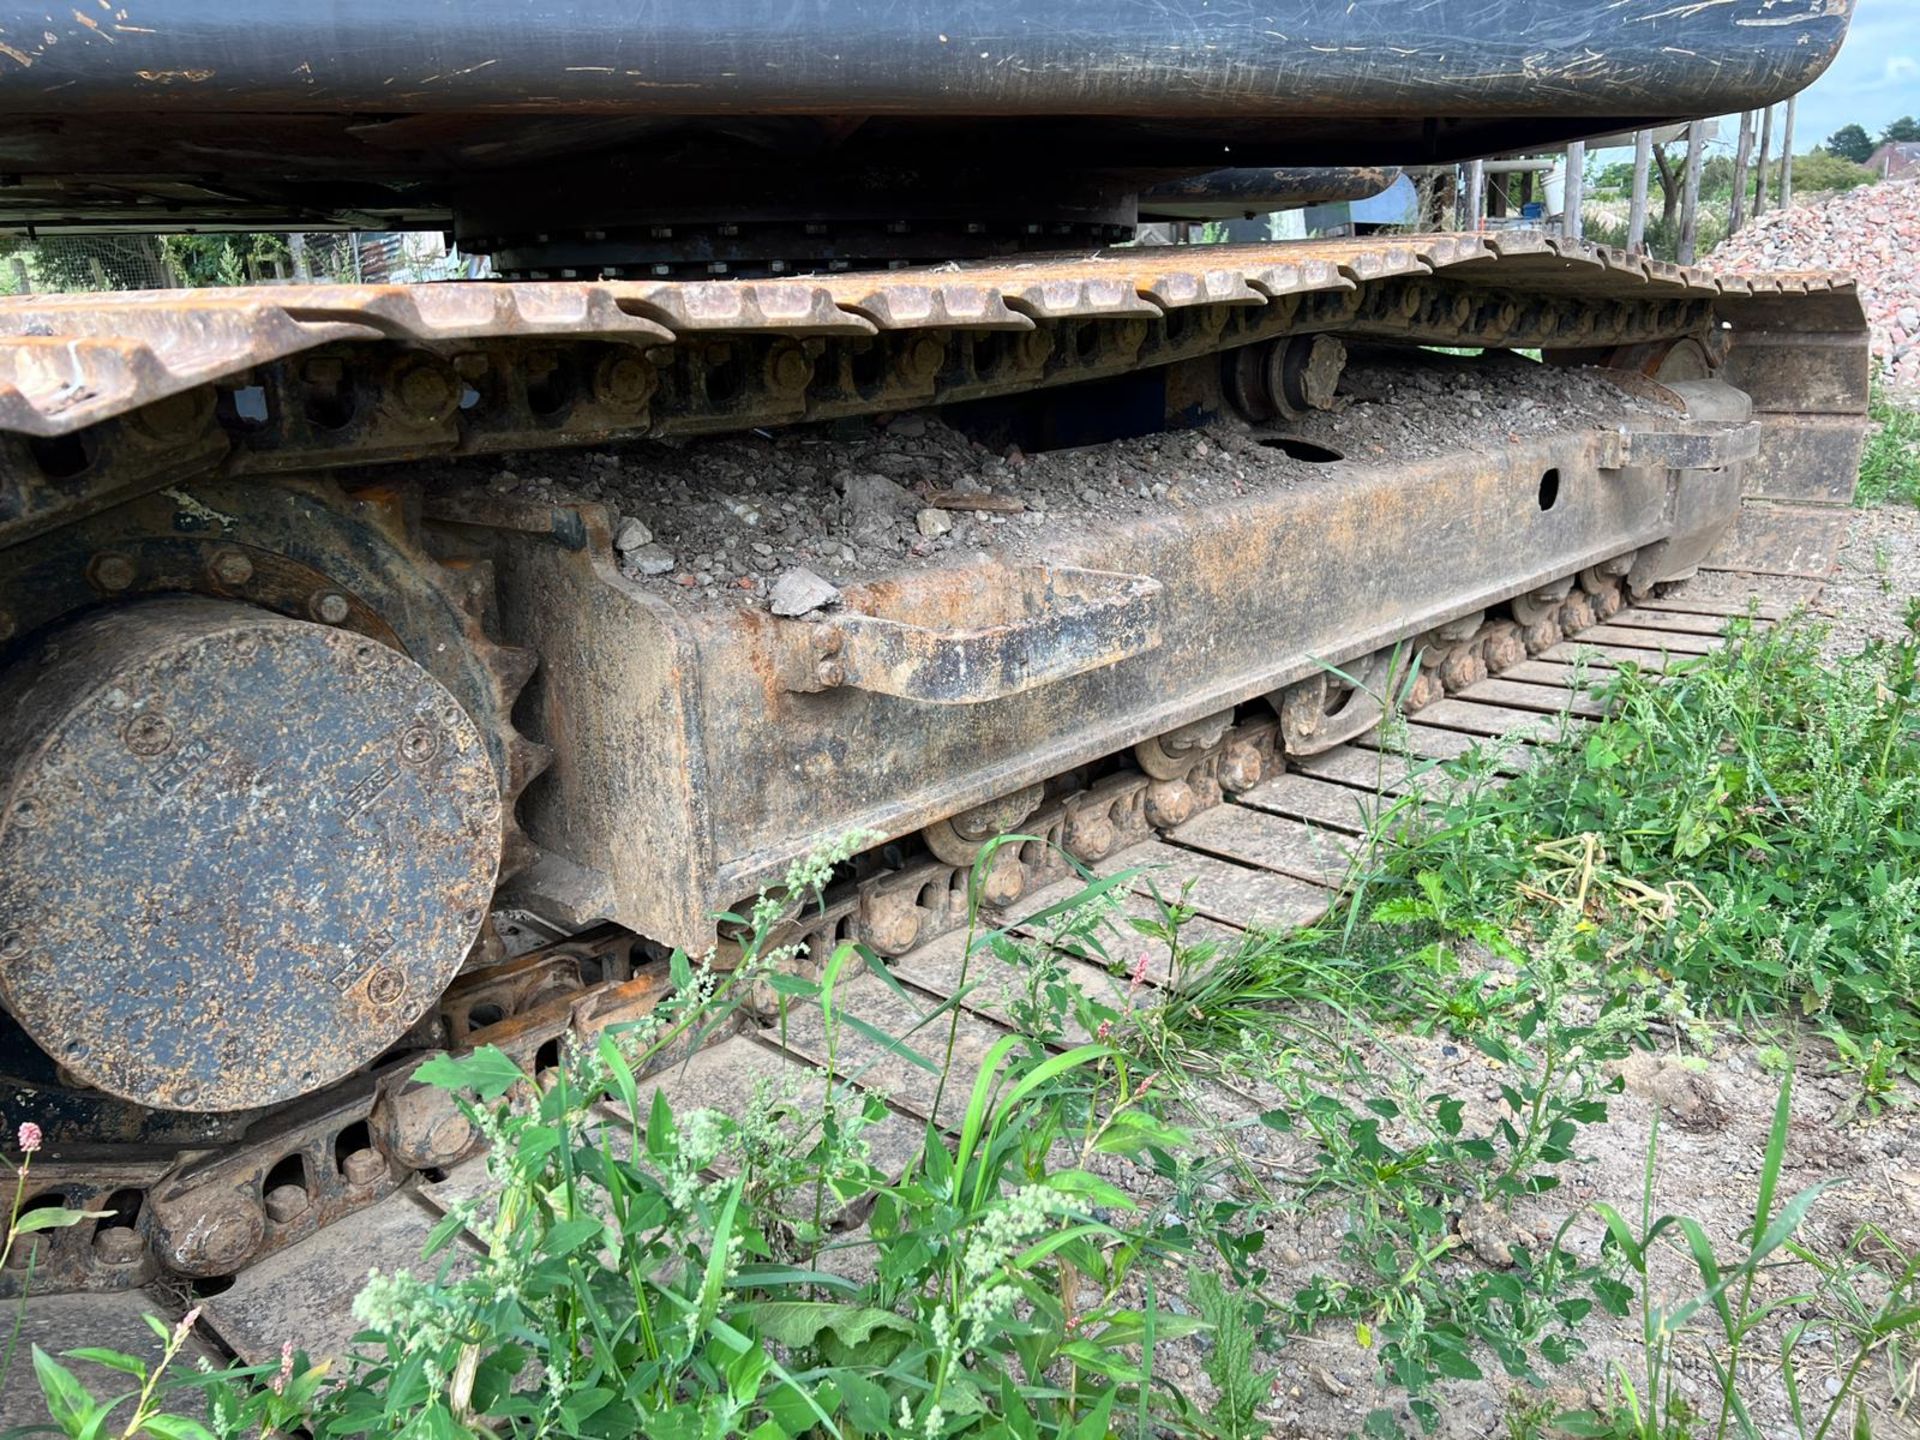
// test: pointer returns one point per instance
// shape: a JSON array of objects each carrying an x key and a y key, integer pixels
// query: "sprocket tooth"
[
  {"x": 514, "y": 664},
  {"x": 528, "y": 759},
  {"x": 517, "y": 851}
]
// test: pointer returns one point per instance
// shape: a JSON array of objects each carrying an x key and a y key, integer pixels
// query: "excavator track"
[
  {"x": 153, "y": 447},
  {"x": 1265, "y": 843}
]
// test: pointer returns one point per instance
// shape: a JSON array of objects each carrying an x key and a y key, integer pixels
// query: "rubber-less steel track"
[
  {"x": 1271, "y": 856},
  {"x": 72, "y": 361}
]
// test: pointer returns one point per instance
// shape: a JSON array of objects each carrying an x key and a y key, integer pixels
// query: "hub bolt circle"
[
  {"x": 288, "y": 954},
  {"x": 149, "y": 735}
]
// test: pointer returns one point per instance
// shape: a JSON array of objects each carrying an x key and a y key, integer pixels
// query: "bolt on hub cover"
[{"x": 240, "y": 854}]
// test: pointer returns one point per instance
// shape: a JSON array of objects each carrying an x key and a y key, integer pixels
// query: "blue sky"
[{"x": 1874, "y": 79}]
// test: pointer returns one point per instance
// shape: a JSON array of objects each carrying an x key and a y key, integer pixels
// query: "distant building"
[{"x": 1896, "y": 160}]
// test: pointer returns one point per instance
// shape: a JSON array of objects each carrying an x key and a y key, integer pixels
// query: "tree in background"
[
  {"x": 1821, "y": 170},
  {"x": 223, "y": 259},
  {"x": 82, "y": 262},
  {"x": 1905, "y": 128},
  {"x": 1851, "y": 142}
]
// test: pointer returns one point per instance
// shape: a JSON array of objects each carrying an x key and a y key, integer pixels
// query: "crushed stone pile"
[
  {"x": 783, "y": 520},
  {"x": 1873, "y": 233}
]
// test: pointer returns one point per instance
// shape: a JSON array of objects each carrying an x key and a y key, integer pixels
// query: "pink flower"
[
  {"x": 279, "y": 1382},
  {"x": 1139, "y": 972},
  {"x": 29, "y": 1137},
  {"x": 1105, "y": 1032},
  {"x": 187, "y": 1322}
]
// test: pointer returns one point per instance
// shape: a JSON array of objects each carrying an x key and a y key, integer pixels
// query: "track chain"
[{"x": 212, "y": 1210}]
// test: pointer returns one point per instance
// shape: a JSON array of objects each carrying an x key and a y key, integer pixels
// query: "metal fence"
[{"x": 43, "y": 263}]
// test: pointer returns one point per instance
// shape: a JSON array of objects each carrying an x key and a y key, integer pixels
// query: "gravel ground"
[
  {"x": 1871, "y": 233},
  {"x": 724, "y": 520},
  {"x": 1876, "y": 576}
]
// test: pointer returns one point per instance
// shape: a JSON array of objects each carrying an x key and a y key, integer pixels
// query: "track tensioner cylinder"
[{"x": 240, "y": 854}]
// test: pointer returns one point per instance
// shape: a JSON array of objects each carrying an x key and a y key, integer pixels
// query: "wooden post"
[
  {"x": 1742, "y": 156},
  {"x": 1476, "y": 196},
  {"x": 1637, "y": 210},
  {"x": 1760, "y": 170},
  {"x": 1574, "y": 191},
  {"x": 1786, "y": 157},
  {"x": 1690, "y": 196}
]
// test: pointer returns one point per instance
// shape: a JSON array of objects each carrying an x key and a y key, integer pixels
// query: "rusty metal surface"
[
  {"x": 302, "y": 833},
  {"x": 633, "y": 692},
  {"x": 1267, "y": 841},
  {"x": 1025, "y": 627},
  {"x": 305, "y": 1293},
  {"x": 1805, "y": 362},
  {"x": 207, "y": 1206},
  {"x": 682, "y": 736},
  {"x": 299, "y": 549}
]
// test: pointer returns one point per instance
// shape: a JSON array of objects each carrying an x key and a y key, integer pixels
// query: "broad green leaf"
[
  {"x": 1090, "y": 1187},
  {"x": 489, "y": 1072},
  {"x": 799, "y": 1322},
  {"x": 569, "y": 1235},
  {"x": 67, "y": 1399},
  {"x": 176, "y": 1427},
  {"x": 112, "y": 1359}
]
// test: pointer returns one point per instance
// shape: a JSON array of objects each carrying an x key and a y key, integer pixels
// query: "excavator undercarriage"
[{"x": 311, "y": 768}]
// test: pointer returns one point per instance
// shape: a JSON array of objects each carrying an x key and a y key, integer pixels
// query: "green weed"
[
  {"x": 1733, "y": 1311},
  {"x": 1890, "y": 465},
  {"x": 674, "y": 1274},
  {"x": 1744, "y": 831}
]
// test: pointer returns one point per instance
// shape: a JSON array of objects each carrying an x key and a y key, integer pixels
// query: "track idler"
[{"x": 240, "y": 854}]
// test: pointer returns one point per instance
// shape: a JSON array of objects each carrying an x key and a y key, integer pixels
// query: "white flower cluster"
[{"x": 412, "y": 1313}]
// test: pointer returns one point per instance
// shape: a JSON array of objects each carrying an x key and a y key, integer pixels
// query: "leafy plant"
[
  {"x": 1238, "y": 1384},
  {"x": 1890, "y": 465}
]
